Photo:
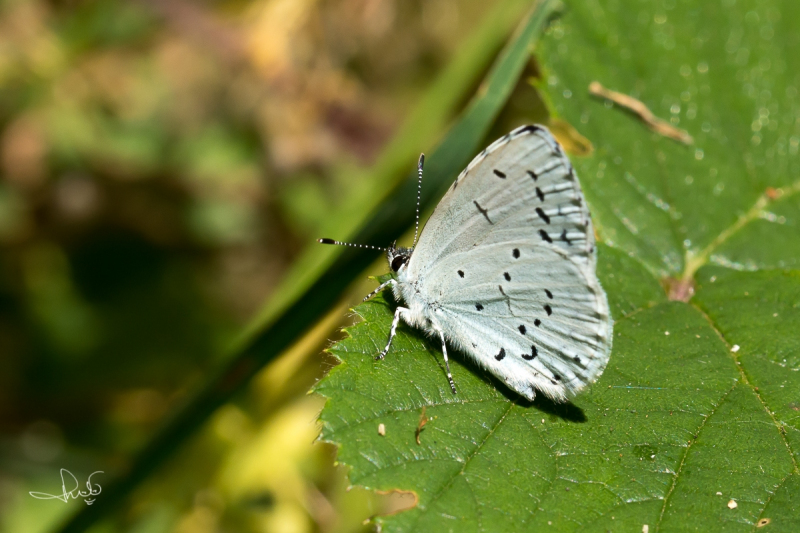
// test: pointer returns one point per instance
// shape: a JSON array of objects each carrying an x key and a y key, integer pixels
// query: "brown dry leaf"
[{"x": 572, "y": 141}]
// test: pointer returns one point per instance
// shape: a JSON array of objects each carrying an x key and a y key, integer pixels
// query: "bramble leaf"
[{"x": 695, "y": 424}]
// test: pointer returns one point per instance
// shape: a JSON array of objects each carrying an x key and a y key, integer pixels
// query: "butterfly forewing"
[{"x": 522, "y": 180}]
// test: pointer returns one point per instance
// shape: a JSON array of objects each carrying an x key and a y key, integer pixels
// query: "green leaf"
[{"x": 695, "y": 424}]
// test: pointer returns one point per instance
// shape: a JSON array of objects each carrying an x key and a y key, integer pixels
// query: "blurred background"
[{"x": 164, "y": 165}]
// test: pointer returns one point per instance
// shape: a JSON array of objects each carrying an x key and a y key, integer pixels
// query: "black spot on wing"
[
  {"x": 507, "y": 276},
  {"x": 499, "y": 174},
  {"x": 479, "y": 307},
  {"x": 548, "y": 309},
  {"x": 540, "y": 194},
  {"x": 515, "y": 253},
  {"x": 532, "y": 355},
  {"x": 533, "y": 175},
  {"x": 549, "y": 294},
  {"x": 530, "y": 128},
  {"x": 542, "y": 215},
  {"x": 545, "y": 236},
  {"x": 461, "y": 273},
  {"x": 537, "y": 322},
  {"x": 483, "y": 211},
  {"x": 564, "y": 237},
  {"x": 522, "y": 329},
  {"x": 501, "y": 354}
]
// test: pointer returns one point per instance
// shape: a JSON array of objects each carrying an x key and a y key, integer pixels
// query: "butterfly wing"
[
  {"x": 522, "y": 180},
  {"x": 507, "y": 264},
  {"x": 536, "y": 320}
]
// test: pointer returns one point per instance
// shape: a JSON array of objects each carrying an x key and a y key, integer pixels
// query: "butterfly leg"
[
  {"x": 380, "y": 288},
  {"x": 397, "y": 314},
  {"x": 446, "y": 361}
]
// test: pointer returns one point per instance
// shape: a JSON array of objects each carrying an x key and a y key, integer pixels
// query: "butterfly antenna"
[
  {"x": 331, "y": 241},
  {"x": 419, "y": 196}
]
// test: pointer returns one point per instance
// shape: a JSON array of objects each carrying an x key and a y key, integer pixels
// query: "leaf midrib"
[
  {"x": 464, "y": 467},
  {"x": 685, "y": 455},
  {"x": 695, "y": 261},
  {"x": 745, "y": 380}
]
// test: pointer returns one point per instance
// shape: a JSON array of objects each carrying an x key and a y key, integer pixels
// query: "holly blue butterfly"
[{"x": 504, "y": 270}]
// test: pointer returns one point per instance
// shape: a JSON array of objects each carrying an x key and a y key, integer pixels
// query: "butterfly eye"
[{"x": 399, "y": 261}]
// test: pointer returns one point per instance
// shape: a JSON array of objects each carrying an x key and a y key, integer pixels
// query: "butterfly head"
[{"x": 398, "y": 257}]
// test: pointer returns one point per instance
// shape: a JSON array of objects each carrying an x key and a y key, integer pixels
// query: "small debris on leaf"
[
  {"x": 678, "y": 290},
  {"x": 422, "y": 421},
  {"x": 658, "y": 125}
]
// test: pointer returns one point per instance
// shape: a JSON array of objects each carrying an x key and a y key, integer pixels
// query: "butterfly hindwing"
[{"x": 527, "y": 313}]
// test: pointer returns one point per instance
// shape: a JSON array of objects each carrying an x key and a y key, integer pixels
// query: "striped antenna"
[
  {"x": 339, "y": 243},
  {"x": 419, "y": 196}
]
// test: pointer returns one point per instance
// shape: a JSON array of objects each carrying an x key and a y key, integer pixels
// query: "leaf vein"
[
  {"x": 686, "y": 454},
  {"x": 449, "y": 483}
]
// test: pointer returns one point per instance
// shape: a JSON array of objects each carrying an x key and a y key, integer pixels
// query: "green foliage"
[{"x": 698, "y": 407}]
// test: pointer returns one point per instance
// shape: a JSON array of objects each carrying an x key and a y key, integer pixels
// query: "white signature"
[{"x": 88, "y": 496}]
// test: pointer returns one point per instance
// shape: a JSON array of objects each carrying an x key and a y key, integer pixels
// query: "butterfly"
[{"x": 505, "y": 271}]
